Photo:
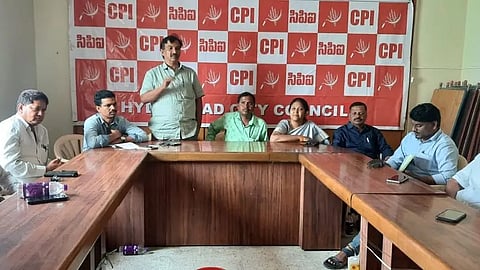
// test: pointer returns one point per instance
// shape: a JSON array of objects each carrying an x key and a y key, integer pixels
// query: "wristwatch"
[{"x": 123, "y": 139}]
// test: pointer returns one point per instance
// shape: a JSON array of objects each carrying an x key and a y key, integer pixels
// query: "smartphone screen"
[{"x": 450, "y": 215}]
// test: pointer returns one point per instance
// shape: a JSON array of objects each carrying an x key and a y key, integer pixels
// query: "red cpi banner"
[{"x": 331, "y": 53}]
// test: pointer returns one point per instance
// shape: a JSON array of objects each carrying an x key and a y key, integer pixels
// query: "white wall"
[
  {"x": 471, "y": 52},
  {"x": 17, "y": 53},
  {"x": 52, "y": 54},
  {"x": 437, "y": 46}
]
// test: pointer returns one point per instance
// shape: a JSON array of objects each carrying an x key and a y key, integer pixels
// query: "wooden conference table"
[
  {"x": 60, "y": 235},
  {"x": 408, "y": 226},
  {"x": 338, "y": 177},
  {"x": 199, "y": 193}
]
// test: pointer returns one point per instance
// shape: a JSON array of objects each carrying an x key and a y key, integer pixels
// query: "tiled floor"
[{"x": 229, "y": 258}]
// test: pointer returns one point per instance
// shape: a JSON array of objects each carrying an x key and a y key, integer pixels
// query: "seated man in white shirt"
[
  {"x": 465, "y": 184},
  {"x": 24, "y": 140}
]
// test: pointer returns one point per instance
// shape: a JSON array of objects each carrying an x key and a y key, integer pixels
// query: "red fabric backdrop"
[{"x": 329, "y": 52}]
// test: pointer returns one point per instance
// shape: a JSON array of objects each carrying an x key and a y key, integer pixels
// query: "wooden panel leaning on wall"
[{"x": 393, "y": 137}]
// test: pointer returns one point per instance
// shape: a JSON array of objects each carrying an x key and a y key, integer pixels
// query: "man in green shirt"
[{"x": 242, "y": 125}]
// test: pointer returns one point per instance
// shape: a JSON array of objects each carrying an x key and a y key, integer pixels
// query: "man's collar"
[
  {"x": 27, "y": 125},
  {"x": 350, "y": 126},
  {"x": 434, "y": 137},
  {"x": 166, "y": 67},
  {"x": 105, "y": 122},
  {"x": 250, "y": 121}
]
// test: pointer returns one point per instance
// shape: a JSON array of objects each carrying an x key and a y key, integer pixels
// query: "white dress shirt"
[
  {"x": 21, "y": 155},
  {"x": 469, "y": 179}
]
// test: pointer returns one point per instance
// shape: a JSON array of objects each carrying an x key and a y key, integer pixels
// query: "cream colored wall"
[
  {"x": 17, "y": 53},
  {"x": 437, "y": 46},
  {"x": 53, "y": 75},
  {"x": 471, "y": 52},
  {"x": 438, "y": 51}
]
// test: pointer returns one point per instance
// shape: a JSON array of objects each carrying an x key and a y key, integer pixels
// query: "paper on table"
[
  {"x": 129, "y": 146},
  {"x": 406, "y": 162}
]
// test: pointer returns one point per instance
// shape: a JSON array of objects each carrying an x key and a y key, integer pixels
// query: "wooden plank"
[{"x": 449, "y": 101}]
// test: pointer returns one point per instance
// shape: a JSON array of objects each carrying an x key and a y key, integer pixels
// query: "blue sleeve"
[
  {"x": 133, "y": 131},
  {"x": 339, "y": 138},
  {"x": 397, "y": 158},
  {"x": 383, "y": 146},
  {"x": 447, "y": 159}
]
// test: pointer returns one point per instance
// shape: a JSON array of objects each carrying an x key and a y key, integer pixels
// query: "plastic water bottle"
[
  {"x": 40, "y": 189},
  {"x": 132, "y": 250}
]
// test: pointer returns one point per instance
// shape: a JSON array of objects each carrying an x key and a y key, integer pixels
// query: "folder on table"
[{"x": 406, "y": 162}]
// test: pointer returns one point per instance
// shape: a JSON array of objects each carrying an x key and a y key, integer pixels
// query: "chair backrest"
[
  {"x": 68, "y": 146},
  {"x": 462, "y": 162}
]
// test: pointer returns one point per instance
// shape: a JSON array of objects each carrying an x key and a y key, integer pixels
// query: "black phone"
[
  {"x": 311, "y": 143},
  {"x": 153, "y": 146},
  {"x": 174, "y": 143},
  {"x": 171, "y": 143},
  {"x": 451, "y": 216},
  {"x": 62, "y": 173},
  {"x": 47, "y": 199},
  {"x": 397, "y": 178}
]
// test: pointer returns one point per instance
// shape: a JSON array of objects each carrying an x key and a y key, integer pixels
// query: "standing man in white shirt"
[
  {"x": 175, "y": 93},
  {"x": 24, "y": 140}
]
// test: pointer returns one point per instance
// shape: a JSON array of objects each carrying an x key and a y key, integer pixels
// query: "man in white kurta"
[
  {"x": 24, "y": 140},
  {"x": 465, "y": 184}
]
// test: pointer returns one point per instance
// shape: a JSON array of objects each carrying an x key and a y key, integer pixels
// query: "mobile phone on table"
[
  {"x": 62, "y": 173},
  {"x": 397, "y": 178},
  {"x": 451, "y": 216},
  {"x": 153, "y": 146},
  {"x": 47, "y": 199}
]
